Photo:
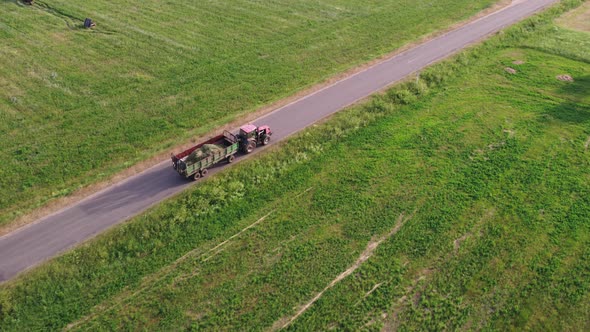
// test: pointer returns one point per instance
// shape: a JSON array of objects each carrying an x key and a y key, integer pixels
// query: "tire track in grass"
[
  {"x": 149, "y": 283},
  {"x": 123, "y": 26},
  {"x": 418, "y": 284},
  {"x": 146, "y": 33},
  {"x": 391, "y": 323},
  {"x": 69, "y": 19},
  {"x": 365, "y": 255},
  {"x": 160, "y": 275}
]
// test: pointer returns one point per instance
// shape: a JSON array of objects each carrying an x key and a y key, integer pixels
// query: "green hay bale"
[
  {"x": 203, "y": 152},
  {"x": 210, "y": 148}
]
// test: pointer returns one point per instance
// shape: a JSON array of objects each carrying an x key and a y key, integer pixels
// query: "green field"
[
  {"x": 460, "y": 200},
  {"x": 77, "y": 105}
]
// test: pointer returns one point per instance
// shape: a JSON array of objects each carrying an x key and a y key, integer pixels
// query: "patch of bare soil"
[
  {"x": 457, "y": 242},
  {"x": 510, "y": 70},
  {"x": 365, "y": 255},
  {"x": 518, "y": 62},
  {"x": 55, "y": 205},
  {"x": 587, "y": 144},
  {"x": 565, "y": 78}
]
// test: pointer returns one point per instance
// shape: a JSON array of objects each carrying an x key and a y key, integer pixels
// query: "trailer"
[{"x": 194, "y": 162}]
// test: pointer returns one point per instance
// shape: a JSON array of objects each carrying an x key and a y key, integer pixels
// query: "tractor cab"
[
  {"x": 250, "y": 136},
  {"x": 248, "y": 131}
]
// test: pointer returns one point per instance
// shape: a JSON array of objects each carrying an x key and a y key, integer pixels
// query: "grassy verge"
[
  {"x": 487, "y": 169},
  {"x": 77, "y": 106}
]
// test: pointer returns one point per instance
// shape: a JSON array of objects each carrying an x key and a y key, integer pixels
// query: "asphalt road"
[{"x": 37, "y": 242}]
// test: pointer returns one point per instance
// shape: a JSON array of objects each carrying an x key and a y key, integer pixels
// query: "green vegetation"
[
  {"x": 78, "y": 105},
  {"x": 578, "y": 19},
  {"x": 485, "y": 171}
]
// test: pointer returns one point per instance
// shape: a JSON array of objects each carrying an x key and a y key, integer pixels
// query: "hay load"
[{"x": 203, "y": 152}]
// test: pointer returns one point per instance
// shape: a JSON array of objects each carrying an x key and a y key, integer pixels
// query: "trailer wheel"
[
  {"x": 196, "y": 176},
  {"x": 230, "y": 159},
  {"x": 204, "y": 172}
]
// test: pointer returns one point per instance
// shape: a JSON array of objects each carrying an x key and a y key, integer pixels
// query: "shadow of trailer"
[{"x": 194, "y": 162}]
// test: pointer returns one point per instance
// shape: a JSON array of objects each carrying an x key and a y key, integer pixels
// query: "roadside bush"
[
  {"x": 418, "y": 87},
  {"x": 378, "y": 105},
  {"x": 5, "y": 306},
  {"x": 401, "y": 96},
  {"x": 435, "y": 76}
]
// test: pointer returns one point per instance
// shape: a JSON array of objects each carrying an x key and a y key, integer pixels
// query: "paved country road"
[{"x": 37, "y": 242}]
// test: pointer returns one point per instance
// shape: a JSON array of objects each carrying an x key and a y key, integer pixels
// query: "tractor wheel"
[
  {"x": 204, "y": 172},
  {"x": 230, "y": 159},
  {"x": 266, "y": 140},
  {"x": 196, "y": 176},
  {"x": 250, "y": 147}
]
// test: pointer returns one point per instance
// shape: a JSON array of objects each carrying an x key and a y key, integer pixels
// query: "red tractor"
[{"x": 251, "y": 136}]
